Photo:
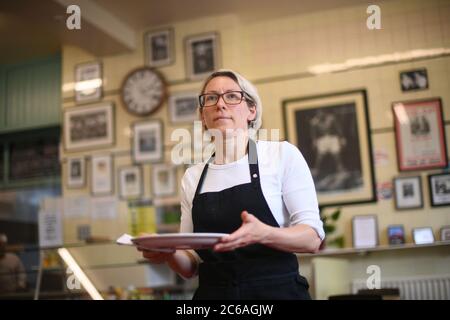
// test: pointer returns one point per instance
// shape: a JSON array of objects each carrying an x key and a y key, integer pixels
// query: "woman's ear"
[{"x": 252, "y": 115}]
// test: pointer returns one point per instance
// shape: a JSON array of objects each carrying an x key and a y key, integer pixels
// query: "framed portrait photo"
[
  {"x": 148, "y": 141},
  {"x": 102, "y": 180},
  {"x": 202, "y": 55},
  {"x": 88, "y": 82},
  {"x": 159, "y": 47},
  {"x": 423, "y": 235},
  {"x": 445, "y": 233},
  {"x": 414, "y": 80},
  {"x": 396, "y": 234},
  {"x": 419, "y": 135},
  {"x": 130, "y": 182},
  {"x": 408, "y": 192},
  {"x": 164, "y": 177},
  {"x": 332, "y": 132},
  {"x": 89, "y": 127},
  {"x": 365, "y": 231},
  {"x": 439, "y": 186},
  {"x": 76, "y": 173},
  {"x": 183, "y": 107}
]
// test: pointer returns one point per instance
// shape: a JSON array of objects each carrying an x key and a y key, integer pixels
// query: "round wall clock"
[{"x": 143, "y": 91}]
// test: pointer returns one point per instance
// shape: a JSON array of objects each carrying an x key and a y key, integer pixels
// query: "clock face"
[{"x": 143, "y": 91}]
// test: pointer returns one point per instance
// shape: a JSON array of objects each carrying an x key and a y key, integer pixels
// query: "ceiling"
[{"x": 31, "y": 29}]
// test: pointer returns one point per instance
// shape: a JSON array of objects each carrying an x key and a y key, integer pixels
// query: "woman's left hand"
[{"x": 252, "y": 231}]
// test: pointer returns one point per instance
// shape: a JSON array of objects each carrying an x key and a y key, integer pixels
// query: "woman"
[{"x": 261, "y": 193}]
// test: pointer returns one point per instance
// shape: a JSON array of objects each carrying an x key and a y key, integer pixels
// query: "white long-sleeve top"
[{"x": 286, "y": 183}]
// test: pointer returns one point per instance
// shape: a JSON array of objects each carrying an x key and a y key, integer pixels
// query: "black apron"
[{"x": 252, "y": 272}]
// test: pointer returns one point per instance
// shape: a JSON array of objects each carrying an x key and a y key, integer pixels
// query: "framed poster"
[
  {"x": 148, "y": 141},
  {"x": 408, "y": 192},
  {"x": 88, "y": 82},
  {"x": 365, "y": 231},
  {"x": 414, "y": 80},
  {"x": 419, "y": 135},
  {"x": 164, "y": 180},
  {"x": 89, "y": 127},
  {"x": 439, "y": 186},
  {"x": 333, "y": 133},
  {"x": 102, "y": 175},
  {"x": 159, "y": 47},
  {"x": 183, "y": 107},
  {"x": 423, "y": 235},
  {"x": 396, "y": 234},
  {"x": 76, "y": 173},
  {"x": 130, "y": 182},
  {"x": 202, "y": 55}
]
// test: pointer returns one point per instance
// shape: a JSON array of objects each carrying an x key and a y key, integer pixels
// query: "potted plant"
[{"x": 329, "y": 226}]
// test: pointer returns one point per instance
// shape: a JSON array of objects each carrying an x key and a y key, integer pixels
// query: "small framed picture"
[
  {"x": 439, "y": 186},
  {"x": 76, "y": 173},
  {"x": 102, "y": 175},
  {"x": 202, "y": 54},
  {"x": 88, "y": 82},
  {"x": 365, "y": 231},
  {"x": 183, "y": 107},
  {"x": 445, "y": 233},
  {"x": 420, "y": 135},
  {"x": 408, "y": 193},
  {"x": 423, "y": 235},
  {"x": 396, "y": 234},
  {"x": 159, "y": 47},
  {"x": 130, "y": 182},
  {"x": 164, "y": 180},
  {"x": 414, "y": 80},
  {"x": 148, "y": 141},
  {"x": 89, "y": 127}
]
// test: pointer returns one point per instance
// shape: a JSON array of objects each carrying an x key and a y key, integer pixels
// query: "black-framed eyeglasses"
[{"x": 230, "y": 97}]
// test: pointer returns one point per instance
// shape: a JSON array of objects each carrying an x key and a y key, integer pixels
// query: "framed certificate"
[
  {"x": 102, "y": 175},
  {"x": 365, "y": 231}
]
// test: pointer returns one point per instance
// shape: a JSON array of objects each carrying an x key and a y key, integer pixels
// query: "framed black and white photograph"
[
  {"x": 130, "y": 182},
  {"x": 159, "y": 47},
  {"x": 396, "y": 234},
  {"x": 183, "y": 107},
  {"x": 89, "y": 127},
  {"x": 76, "y": 173},
  {"x": 88, "y": 82},
  {"x": 439, "y": 186},
  {"x": 202, "y": 55},
  {"x": 365, "y": 231},
  {"x": 408, "y": 192},
  {"x": 445, "y": 233},
  {"x": 148, "y": 141},
  {"x": 164, "y": 177},
  {"x": 333, "y": 133},
  {"x": 423, "y": 235},
  {"x": 414, "y": 80},
  {"x": 419, "y": 135},
  {"x": 102, "y": 177}
]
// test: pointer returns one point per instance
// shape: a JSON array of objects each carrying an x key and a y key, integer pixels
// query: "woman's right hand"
[{"x": 157, "y": 257}]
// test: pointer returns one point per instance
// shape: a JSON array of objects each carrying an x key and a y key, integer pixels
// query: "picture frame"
[
  {"x": 130, "y": 182},
  {"x": 414, "y": 80},
  {"x": 183, "y": 107},
  {"x": 89, "y": 127},
  {"x": 202, "y": 53},
  {"x": 365, "y": 231},
  {"x": 159, "y": 47},
  {"x": 408, "y": 192},
  {"x": 88, "y": 82},
  {"x": 164, "y": 180},
  {"x": 439, "y": 186},
  {"x": 445, "y": 233},
  {"x": 76, "y": 172},
  {"x": 332, "y": 132},
  {"x": 423, "y": 235},
  {"x": 419, "y": 135},
  {"x": 102, "y": 180},
  {"x": 396, "y": 234},
  {"x": 147, "y": 141}
]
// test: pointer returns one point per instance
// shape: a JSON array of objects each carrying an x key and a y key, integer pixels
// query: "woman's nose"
[{"x": 221, "y": 103}]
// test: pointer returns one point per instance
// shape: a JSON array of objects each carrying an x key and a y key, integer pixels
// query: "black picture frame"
[
  {"x": 439, "y": 188},
  {"x": 183, "y": 107},
  {"x": 341, "y": 160},
  {"x": 147, "y": 141},
  {"x": 202, "y": 52},
  {"x": 159, "y": 47},
  {"x": 408, "y": 193},
  {"x": 414, "y": 80}
]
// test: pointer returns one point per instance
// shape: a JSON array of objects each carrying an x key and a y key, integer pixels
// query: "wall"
[{"x": 276, "y": 54}]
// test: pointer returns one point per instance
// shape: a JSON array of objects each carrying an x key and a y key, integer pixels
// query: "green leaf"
[
  {"x": 336, "y": 214},
  {"x": 329, "y": 228}
]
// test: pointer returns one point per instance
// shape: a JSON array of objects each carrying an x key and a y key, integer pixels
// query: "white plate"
[{"x": 178, "y": 241}]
